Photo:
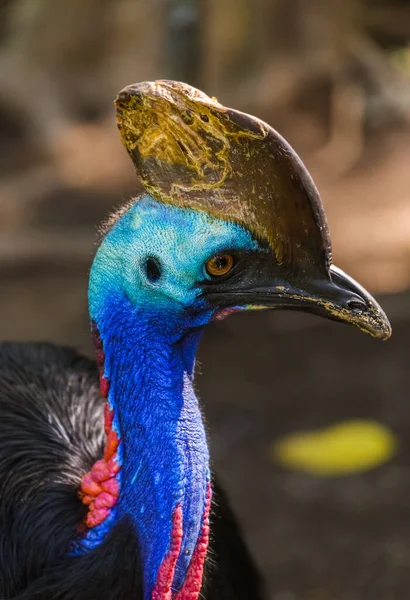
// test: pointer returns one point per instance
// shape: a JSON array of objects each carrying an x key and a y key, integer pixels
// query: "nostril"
[{"x": 356, "y": 305}]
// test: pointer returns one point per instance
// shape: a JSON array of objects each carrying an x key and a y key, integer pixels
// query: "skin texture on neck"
[
  {"x": 156, "y": 466},
  {"x": 162, "y": 453}
]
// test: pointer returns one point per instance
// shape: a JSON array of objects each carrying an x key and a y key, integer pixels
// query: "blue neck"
[{"x": 163, "y": 450}]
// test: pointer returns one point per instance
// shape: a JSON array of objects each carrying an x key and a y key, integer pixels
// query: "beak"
[
  {"x": 339, "y": 298},
  {"x": 331, "y": 294},
  {"x": 345, "y": 300}
]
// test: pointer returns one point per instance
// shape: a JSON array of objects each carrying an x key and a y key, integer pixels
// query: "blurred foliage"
[
  {"x": 64, "y": 61},
  {"x": 331, "y": 75},
  {"x": 341, "y": 449},
  {"x": 400, "y": 58}
]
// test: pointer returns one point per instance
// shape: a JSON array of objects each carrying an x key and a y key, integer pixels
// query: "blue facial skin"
[{"x": 150, "y": 323}]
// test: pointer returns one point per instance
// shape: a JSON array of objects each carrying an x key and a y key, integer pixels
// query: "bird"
[{"x": 106, "y": 485}]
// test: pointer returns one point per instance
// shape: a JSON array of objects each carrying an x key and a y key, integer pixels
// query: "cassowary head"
[{"x": 231, "y": 219}]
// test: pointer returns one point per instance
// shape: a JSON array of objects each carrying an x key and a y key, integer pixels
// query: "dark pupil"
[
  {"x": 221, "y": 262},
  {"x": 152, "y": 269}
]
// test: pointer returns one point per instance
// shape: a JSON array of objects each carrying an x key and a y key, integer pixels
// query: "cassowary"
[{"x": 106, "y": 487}]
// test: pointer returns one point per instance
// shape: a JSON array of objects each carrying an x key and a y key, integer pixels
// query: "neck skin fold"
[{"x": 164, "y": 480}]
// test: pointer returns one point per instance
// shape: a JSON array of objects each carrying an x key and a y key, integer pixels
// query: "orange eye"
[{"x": 219, "y": 265}]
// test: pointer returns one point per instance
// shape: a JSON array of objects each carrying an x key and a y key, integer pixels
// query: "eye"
[
  {"x": 219, "y": 265},
  {"x": 152, "y": 269}
]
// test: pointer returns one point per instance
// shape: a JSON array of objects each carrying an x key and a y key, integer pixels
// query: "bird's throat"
[{"x": 155, "y": 469}]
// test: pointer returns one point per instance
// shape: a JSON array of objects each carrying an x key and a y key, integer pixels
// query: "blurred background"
[{"x": 333, "y": 76}]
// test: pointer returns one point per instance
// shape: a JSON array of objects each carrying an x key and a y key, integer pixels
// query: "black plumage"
[{"x": 51, "y": 433}]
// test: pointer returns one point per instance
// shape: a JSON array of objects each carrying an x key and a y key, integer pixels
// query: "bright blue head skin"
[
  {"x": 150, "y": 329},
  {"x": 182, "y": 240}
]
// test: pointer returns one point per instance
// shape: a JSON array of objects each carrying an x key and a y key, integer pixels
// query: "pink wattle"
[
  {"x": 99, "y": 487},
  {"x": 165, "y": 576},
  {"x": 193, "y": 581}
]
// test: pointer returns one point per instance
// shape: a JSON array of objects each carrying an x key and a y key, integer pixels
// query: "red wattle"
[
  {"x": 99, "y": 487},
  {"x": 165, "y": 576},
  {"x": 193, "y": 581}
]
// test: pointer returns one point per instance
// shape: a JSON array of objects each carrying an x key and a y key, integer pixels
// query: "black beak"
[
  {"x": 330, "y": 293},
  {"x": 345, "y": 300}
]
